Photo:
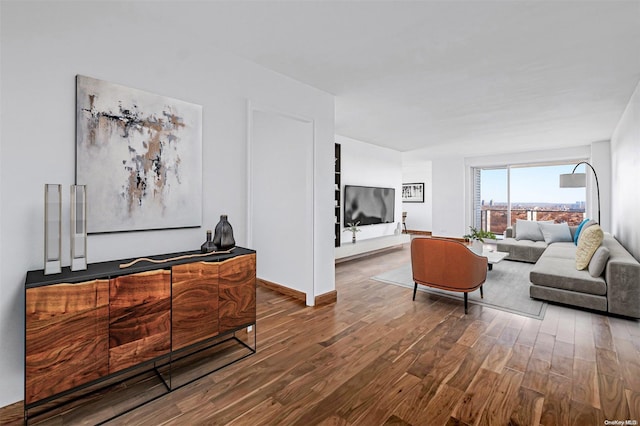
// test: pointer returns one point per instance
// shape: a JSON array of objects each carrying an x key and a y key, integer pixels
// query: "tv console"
[
  {"x": 349, "y": 251},
  {"x": 146, "y": 329}
]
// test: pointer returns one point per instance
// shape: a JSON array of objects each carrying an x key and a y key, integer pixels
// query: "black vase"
[
  {"x": 208, "y": 245},
  {"x": 223, "y": 237}
]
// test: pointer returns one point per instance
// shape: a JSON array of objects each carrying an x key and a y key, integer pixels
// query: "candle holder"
[
  {"x": 52, "y": 228},
  {"x": 78, "y": 227}
]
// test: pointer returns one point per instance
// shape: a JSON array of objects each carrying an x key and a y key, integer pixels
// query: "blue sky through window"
[{"x": 539, "y": 184}]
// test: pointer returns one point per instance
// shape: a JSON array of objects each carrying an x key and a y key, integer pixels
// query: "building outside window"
[{"x": 504, "y": 194}]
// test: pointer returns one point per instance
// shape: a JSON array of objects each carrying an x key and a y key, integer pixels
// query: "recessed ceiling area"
[{"x": 440, "y": 76}]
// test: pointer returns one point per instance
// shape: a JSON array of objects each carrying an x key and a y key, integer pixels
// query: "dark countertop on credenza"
[{"x": 112, "y": 268}]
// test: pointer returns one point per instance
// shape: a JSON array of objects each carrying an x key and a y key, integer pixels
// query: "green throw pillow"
[{"x": 589, "y": 241}]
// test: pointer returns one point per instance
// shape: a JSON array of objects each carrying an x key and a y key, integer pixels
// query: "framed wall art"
[
  {"x": 140, "y": 157},
  {"x": 413, "y": 192}
]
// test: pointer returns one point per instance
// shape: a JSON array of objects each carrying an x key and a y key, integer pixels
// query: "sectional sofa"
[{"x": 555, "y": 277}]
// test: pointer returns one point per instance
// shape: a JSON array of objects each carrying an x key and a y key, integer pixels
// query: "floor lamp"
[{"x": 579, "y": 180}]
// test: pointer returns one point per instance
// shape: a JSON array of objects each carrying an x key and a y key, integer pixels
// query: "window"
[{"x": 531, "y": 192}]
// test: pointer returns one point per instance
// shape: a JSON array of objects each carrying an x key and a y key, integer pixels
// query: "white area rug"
[{"x": 506, "y": 288}]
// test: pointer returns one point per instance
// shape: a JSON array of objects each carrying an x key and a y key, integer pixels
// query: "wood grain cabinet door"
[
  {"x": 237, "y": 287},
  {"x": 66, "y": 341},
  {"x": 139, "y": 318},
  {"x": 194, "y": 303}
]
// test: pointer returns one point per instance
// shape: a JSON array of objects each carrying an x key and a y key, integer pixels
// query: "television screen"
[{"x": 369, "y": 205}]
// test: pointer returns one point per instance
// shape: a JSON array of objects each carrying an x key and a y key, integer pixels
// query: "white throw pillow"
[
  {"x": 555, "y": 232},
  {"x": 528, "y": 230}
]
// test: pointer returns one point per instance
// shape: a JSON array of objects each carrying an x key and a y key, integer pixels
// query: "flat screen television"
[{"x": 369, "y": 205}]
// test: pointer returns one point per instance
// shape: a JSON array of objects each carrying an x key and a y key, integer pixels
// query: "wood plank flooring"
[{"x": 378, "y": 358}]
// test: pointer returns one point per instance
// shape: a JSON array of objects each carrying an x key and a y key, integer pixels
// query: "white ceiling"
[{"x": 436, "y": 76}]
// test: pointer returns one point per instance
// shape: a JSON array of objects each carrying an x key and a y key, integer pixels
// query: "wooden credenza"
[{"x": 84, "y": 327}]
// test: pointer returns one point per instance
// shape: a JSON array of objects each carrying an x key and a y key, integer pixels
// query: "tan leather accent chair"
[{"x": 447, "y": 265}]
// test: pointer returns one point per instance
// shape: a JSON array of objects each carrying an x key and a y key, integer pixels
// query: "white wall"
[
  {"x": 601, "y": 162},
  {"x": 419, "y": 215},
  {"x": 448, "y": 190},
  {"x": 278, "y": 224},
  {"x": 370, "y": 165},
  {"x": 625, "y": 158},
  {"x": 44, "y": 45},
  {"x": 542, "y": 156}
]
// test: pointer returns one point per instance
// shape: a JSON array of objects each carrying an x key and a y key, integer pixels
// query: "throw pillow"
[
  {"x": 588, "y": 243},
  {"x": 528, "y": 230},
  {"x": 589, "y": 223},
  {"x": 598, "y": 261},
  {"x": 555, "y": 232},
  {"x": 577, "y": 234}
]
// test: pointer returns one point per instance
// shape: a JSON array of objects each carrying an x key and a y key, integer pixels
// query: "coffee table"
[{"x": 493, "y": 256}]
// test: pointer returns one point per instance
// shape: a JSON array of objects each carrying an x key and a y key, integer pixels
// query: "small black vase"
[
  {"x": 208, "y": 245},
  {"x": 223, "y": 237}
]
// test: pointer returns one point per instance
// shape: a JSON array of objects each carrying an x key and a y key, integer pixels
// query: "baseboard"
[
  {"x": 12, "y": 414},
  {"x": 321, "y": 299},
  {"x": 461, "y": 240},
  {"x": 368, "y": 253},
  {"x": 296, "y": 294},
  {"x": 326, "y": 298},
  {"x": 415, "y": 232}
]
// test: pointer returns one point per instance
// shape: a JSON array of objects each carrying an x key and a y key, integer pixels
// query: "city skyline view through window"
[{"x": 526, "y": 192}]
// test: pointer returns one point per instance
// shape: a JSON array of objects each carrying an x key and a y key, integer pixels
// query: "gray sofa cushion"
[
  {"x": 562, "y": 250},
  {"x": 528, "y": 230},
  {"x": 556, "y": 268},
  {"x": 561, "y": 273},
  {"x": 523, "y": 250},
  {"x": 555, "y": 232},
  {"x": 589, "y": 301}
]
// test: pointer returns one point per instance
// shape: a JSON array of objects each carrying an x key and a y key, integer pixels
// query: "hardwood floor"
[{"x": 377, "y": 358}]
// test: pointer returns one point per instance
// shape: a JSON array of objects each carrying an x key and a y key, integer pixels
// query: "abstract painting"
[{"x": 140, "y": 155}]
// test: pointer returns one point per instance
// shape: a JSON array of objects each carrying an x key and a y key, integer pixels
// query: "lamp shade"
[{"x": 573, "y": 180}]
